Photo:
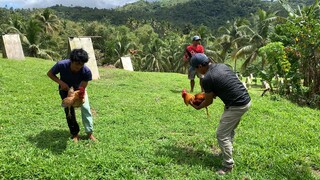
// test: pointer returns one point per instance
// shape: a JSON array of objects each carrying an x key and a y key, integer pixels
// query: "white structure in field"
[
  {"x": 126, "y": 63},
  {"x": 86, "y": 44},
  {"x": 11, "y": 47}
]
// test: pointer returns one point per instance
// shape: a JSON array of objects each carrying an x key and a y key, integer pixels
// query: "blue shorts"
[{"x": 192, "y": 74}]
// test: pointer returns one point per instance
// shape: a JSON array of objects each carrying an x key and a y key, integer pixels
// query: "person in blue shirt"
[{"x": 74, "y": 73}]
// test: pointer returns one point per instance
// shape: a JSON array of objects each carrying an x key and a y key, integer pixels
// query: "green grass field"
[{"x": 145, "y": 131}]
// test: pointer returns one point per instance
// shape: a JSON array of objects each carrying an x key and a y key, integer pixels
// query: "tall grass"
[{"x": 145, "y": 131}]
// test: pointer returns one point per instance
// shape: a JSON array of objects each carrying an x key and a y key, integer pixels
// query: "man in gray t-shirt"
[{"x": 220, "y": 81}]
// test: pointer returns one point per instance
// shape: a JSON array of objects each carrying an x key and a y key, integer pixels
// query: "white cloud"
[{"x": 47, "y": 3}]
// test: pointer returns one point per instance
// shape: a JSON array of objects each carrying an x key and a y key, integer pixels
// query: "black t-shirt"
[{"x": 224, "y": 83}]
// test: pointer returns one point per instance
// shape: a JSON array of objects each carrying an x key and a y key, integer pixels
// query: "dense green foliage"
[
  {"x": 276, "y": 62},
  {"x": 145, "y": 131},
  {"x": 300, "y": 36},
  {"x": 212, "y": 14},
  {"x": 180, "y": 13}
]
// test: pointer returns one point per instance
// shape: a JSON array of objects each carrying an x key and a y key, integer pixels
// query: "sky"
[{"x": 47, "y": 3}]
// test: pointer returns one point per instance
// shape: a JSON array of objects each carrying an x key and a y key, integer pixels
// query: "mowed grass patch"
[{"x": 145, "y": 131}]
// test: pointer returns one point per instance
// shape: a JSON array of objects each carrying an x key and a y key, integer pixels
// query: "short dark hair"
[{"x": 79, "y": 55}]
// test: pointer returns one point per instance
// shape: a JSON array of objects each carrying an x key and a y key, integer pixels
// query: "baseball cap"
[
  {"x": 196, "y": 38},
  {"x": 197, "y": 59}
]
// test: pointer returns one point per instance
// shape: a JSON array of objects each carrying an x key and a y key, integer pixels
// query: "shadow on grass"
[
  {"x": 176, "y": 90},
  {"x": 53, "y": 140},
  {"x": 191, "y": 156}
]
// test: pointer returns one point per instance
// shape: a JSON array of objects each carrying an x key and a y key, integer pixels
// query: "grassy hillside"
[{"x": 145, "y": 131}]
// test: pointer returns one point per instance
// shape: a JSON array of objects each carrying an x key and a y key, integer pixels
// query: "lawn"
[{"x": 145, "y": 131}]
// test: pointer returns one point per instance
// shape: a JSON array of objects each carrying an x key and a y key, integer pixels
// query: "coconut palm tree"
[
  {"x": 262, "y": 26},
  {"x": 122, "y": 49},
  {"x": 234, "y": 35},
  {"x": 31, "y": 38},
  {"x": 49, "y": 22},
  {"x": 153, "y": 56},
  {"x": 14, "y": 24},
  {"x": 173, "y": 55}
]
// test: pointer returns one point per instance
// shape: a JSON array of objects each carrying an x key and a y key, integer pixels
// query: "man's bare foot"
[
  {"x": 75, "y": 138},
  {"x": 90, "y": 136},
  {"x": 224, "y": 171}
]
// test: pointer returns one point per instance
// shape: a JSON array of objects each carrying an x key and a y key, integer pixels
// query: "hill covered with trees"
[{"x": 182, "y": 14}]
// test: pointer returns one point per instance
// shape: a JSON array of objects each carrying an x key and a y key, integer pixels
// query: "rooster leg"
[
  {"x": 69, "y": 112},
  {"x": 207, "y": 112}
]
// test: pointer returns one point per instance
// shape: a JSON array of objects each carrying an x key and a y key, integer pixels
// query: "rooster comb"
[{"x": 184, "y": 91}]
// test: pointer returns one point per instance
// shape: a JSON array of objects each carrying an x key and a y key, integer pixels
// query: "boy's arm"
[
  {"x": 84, "y": 84},
  {"x": 63, "y": 85}
]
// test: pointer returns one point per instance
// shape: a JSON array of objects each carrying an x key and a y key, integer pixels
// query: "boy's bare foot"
[
  {"x": 224, "y": 171},
  {"x": 90, "y": 136},
  {"x": 75, "y": 138}
]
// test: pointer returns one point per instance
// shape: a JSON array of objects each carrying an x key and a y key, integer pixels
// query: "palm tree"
[
  {"x": 17, "y": 22},
  {"x": 13, "y": 25},
  {"x": 234, "y": 35},
  {"x": 122, "y": 49},
  {"x": 172, "y": 57},
  {"x": 32, "y": 37},
  {"x": 262, "y": 26},
  {"x": 49, "y": 22},
  {"x": 154, "y": 55}
]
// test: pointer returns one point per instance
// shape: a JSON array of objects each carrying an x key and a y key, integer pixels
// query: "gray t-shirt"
[{"x": 224, "y": 83}]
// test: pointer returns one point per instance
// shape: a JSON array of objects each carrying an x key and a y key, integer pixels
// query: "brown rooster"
[
  {"x": 74, "y": 98},
  {"x": 196, "y": 99}
]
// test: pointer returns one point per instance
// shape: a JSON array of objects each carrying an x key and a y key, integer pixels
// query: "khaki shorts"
[{"x": 192, "y": 74}]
